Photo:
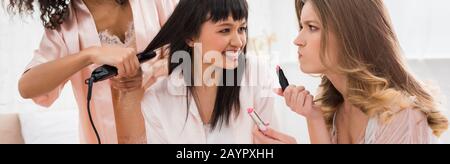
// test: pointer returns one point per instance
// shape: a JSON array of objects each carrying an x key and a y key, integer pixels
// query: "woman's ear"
[{"x": 190, "y": 42}]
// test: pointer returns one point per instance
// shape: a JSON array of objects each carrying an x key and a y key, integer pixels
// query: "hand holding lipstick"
[
  {"x": 271, "y": 136},
  {"x": 263, "y": 134},
  {"x": 297, "y": 98},
  {"x": 301, "y": 102}
]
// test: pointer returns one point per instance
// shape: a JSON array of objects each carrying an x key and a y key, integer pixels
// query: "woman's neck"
[
  {"x": 339, "y": 81},
  {"x": 110, "y": 15},
  {"x": 102, "y": 2},
  {"x": 104, "y": 10},
  {"x": 205, "y": 93}
]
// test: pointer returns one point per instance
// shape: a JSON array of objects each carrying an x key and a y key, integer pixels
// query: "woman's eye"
[
  {"x": 225, "y": 31},
  {"x": 243, "y": 29},
  {"x": 313, "y": 28}
]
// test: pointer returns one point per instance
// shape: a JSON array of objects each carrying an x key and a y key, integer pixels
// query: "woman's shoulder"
[
  {"x": 165, "y": 90},
  {"x": 161, "y": 88},
  {"x": 401, "y": 116},
  {"x": 405, "y": 126},
  {"x": 159, "y": 85},
  {"x": 400, "y": 121},
  {"x": 157, "y": 98}
]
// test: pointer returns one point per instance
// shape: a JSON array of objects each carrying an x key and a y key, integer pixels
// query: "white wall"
[
  {"x": 18, "y": 39},
  {"x": 422, "y": 26}
]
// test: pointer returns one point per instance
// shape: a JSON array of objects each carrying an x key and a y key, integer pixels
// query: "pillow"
[
  {"x": 10, "y": 129},
  {"x": 50, "y": 127}
]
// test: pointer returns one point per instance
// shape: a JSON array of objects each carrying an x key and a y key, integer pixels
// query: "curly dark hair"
[{"x": 53, "y": 12}]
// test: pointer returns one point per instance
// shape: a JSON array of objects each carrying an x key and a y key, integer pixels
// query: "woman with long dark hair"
[
  {"x": 80, "y": 35},
  {"x": 212, "y": 81}
]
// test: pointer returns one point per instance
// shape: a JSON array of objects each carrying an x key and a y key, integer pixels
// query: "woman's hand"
[
  {"x": 301, "y": 102},
  {"x": 271, "y": 136},
  {"x": 130, "y": 75},
  {"x": 157, "y": 68},
  {"x": 124, "y": 59},
  {"x": 128, "y": 84}
]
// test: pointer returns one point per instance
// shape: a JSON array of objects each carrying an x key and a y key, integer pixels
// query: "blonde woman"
[{"x": 367, "y": 95}]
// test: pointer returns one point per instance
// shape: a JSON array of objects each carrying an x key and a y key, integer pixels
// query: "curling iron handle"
[{"x": 106, "y": 71}]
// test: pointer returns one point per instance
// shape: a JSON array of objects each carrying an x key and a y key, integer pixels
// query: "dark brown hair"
[
  {"x": 191, "y": 15},
  {"x": 53, "y": 12}
]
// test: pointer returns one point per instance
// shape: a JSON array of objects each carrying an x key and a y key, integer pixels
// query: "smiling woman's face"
[
  {"x": 223, "y": 41},
  {"x": 309, "y": 41}
]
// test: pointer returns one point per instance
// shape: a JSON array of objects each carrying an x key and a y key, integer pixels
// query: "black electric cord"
[
  {"x": 89, "y": 96},
  {"x": 106, "y": 72}
]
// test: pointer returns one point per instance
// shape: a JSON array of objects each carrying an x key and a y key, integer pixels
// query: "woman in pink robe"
[{"x": 74, "y": 36}]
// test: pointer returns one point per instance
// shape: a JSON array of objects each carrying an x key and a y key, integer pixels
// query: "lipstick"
[
  {"x": 282, "y": 78},
  {"x": 262, "y": 126}
]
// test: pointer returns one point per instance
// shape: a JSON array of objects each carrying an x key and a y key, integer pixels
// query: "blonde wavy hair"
[{"x": 369, "y": 55}]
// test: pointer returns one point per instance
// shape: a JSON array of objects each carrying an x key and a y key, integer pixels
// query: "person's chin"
[
  {"x": 231, "y": 64},
  {"x": 228, "y": 66},
  {"x": 306, "y": 70}
]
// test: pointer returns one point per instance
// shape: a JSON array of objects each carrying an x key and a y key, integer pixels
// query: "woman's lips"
[{"x": 232, "y": 55}]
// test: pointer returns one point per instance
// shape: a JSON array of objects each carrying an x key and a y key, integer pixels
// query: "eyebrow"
[
  {"x": 310, "y": 21},
  {"x": 231, "y": 24}
]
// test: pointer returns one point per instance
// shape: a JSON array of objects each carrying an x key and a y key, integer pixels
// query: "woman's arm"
[
  {"x": 46, "y": 77},
  {"x": 128, "y": 94},
  {"x": 318, "y": 131},
  {"x": 130, "y": 122},
  {"x": 301, "y": 102}
]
